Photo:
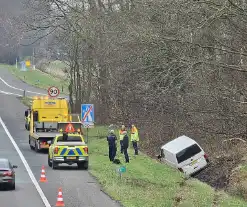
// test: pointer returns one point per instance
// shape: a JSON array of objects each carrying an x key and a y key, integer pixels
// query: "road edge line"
[
  {"x": 8, "y": 93},
  {"x": 10, "y": 85},
  {"x": 25, "y": 163}
]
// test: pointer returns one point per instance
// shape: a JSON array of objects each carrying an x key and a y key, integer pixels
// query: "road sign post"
[
  {"x": 53, "y": 92},
  {"x": 87, "y": 116},
  {"x": 121, "y": 170}
]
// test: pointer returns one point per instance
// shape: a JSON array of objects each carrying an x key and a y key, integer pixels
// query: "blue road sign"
[
  {"x": 87, "y": 114},
  {"x": 23, "y": 66}
]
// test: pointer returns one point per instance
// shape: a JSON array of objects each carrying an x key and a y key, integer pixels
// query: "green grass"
[
  {"x": 26, "y": 101},
  {"x": 148, "y": 182},
  {"x": 37, "y": 78}
]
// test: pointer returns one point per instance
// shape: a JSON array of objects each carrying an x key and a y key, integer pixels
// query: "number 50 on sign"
[{"x": 53, "y": 91}]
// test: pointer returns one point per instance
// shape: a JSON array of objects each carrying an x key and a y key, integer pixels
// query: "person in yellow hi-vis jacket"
[
  {"x": 121, "y": 136},
  {"x": 134, "y": 138}
]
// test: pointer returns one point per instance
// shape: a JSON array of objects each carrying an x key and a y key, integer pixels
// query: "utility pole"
[{"x": 33, "y": 63}]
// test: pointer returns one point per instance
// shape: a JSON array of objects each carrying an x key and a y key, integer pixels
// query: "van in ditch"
[{"x": 185, "y": 154}]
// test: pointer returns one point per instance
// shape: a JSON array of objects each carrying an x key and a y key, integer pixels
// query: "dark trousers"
[
  {"x": 135, "y": 146},
  {"x": 121, "y": 146},
  {"x": 125, "y": 151},
  {"x": 112, "y": 152}
]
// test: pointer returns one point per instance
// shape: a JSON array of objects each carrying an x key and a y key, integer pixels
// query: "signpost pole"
[{"x": 87, "y": 135}]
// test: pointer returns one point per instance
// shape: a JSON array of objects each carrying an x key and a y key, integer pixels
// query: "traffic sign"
[
  {"x": 121, "y": 170},
  {"x": 88, "y": 125},
  {"x": 23, "y": 66},
  {"x": 69, "y": 128},
  {"x": 87, "y": 115},
  {"x": 28, "y": 63},
  {"x": 53, "y": 91}
]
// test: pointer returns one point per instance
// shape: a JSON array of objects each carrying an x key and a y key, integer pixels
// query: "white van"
[{"x": 184, "y": 154}]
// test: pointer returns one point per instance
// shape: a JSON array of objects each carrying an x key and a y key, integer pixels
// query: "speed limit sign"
[{"x": 53, "y": 91}]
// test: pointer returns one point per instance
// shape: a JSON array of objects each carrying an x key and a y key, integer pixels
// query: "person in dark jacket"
[
  {"x": 112, "y": 145},
  {"x": 125, "y": 146}
]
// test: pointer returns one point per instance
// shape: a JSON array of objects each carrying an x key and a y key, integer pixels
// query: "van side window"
[{"x": 188, "y": 152}]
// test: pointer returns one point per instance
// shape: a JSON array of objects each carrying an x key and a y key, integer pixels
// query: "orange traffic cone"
[
  {"x": 43, "y": 177},
  {"x": 60, "y": 198}
]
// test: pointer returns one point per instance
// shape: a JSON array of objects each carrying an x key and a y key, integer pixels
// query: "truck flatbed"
[
  {"x": 45, "y": 134},
  {"x": 39, "y": 140}
]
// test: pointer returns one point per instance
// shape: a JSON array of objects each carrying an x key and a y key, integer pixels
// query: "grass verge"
[
  {"x": 26, "y": 101},
  {"x": 149, "y": 183},
  {"x": 37, "y": 78}
]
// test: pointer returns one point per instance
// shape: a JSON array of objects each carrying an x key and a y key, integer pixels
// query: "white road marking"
[
  {"x": 8, "y": 93},
  {"x": 30, "y": 173},
  {"x": 20, "y": 88}
]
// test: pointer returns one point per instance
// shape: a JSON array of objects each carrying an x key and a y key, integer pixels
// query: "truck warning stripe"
[
  {"x": 79, "y": 151},
  {"x": 71, "y": 152},
  {"x": 63, "y": 151}
]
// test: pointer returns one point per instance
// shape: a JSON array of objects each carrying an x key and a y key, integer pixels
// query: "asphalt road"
[
  {"x": 79, "y": 188},
  {"x": 24, "y": 186},
  {"x": 17, "y": 86}
]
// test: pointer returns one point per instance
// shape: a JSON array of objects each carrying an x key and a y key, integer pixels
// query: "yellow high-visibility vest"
[
  {"x": 121, "y": 134},
  {"x": 134, "y": 134}
]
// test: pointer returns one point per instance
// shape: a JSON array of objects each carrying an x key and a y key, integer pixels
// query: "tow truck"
[
  {"x": 68, "y": 147},
  {"x": 45, "y": 115}
]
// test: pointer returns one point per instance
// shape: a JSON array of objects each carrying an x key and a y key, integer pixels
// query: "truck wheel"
[
  {"x": 36, "y": 147},
  {"x": 54, "y": 165},
  {"x": 31, "y": 147},
  {"x": 49, "y": 161}
]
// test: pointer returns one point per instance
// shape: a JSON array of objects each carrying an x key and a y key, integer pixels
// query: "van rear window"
[
  {"x": 69, "y": 139},
  {"x": 188, "y": 153}
]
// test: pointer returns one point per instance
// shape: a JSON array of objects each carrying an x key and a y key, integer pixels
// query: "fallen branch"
[{"x": 234, "y": 139}]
